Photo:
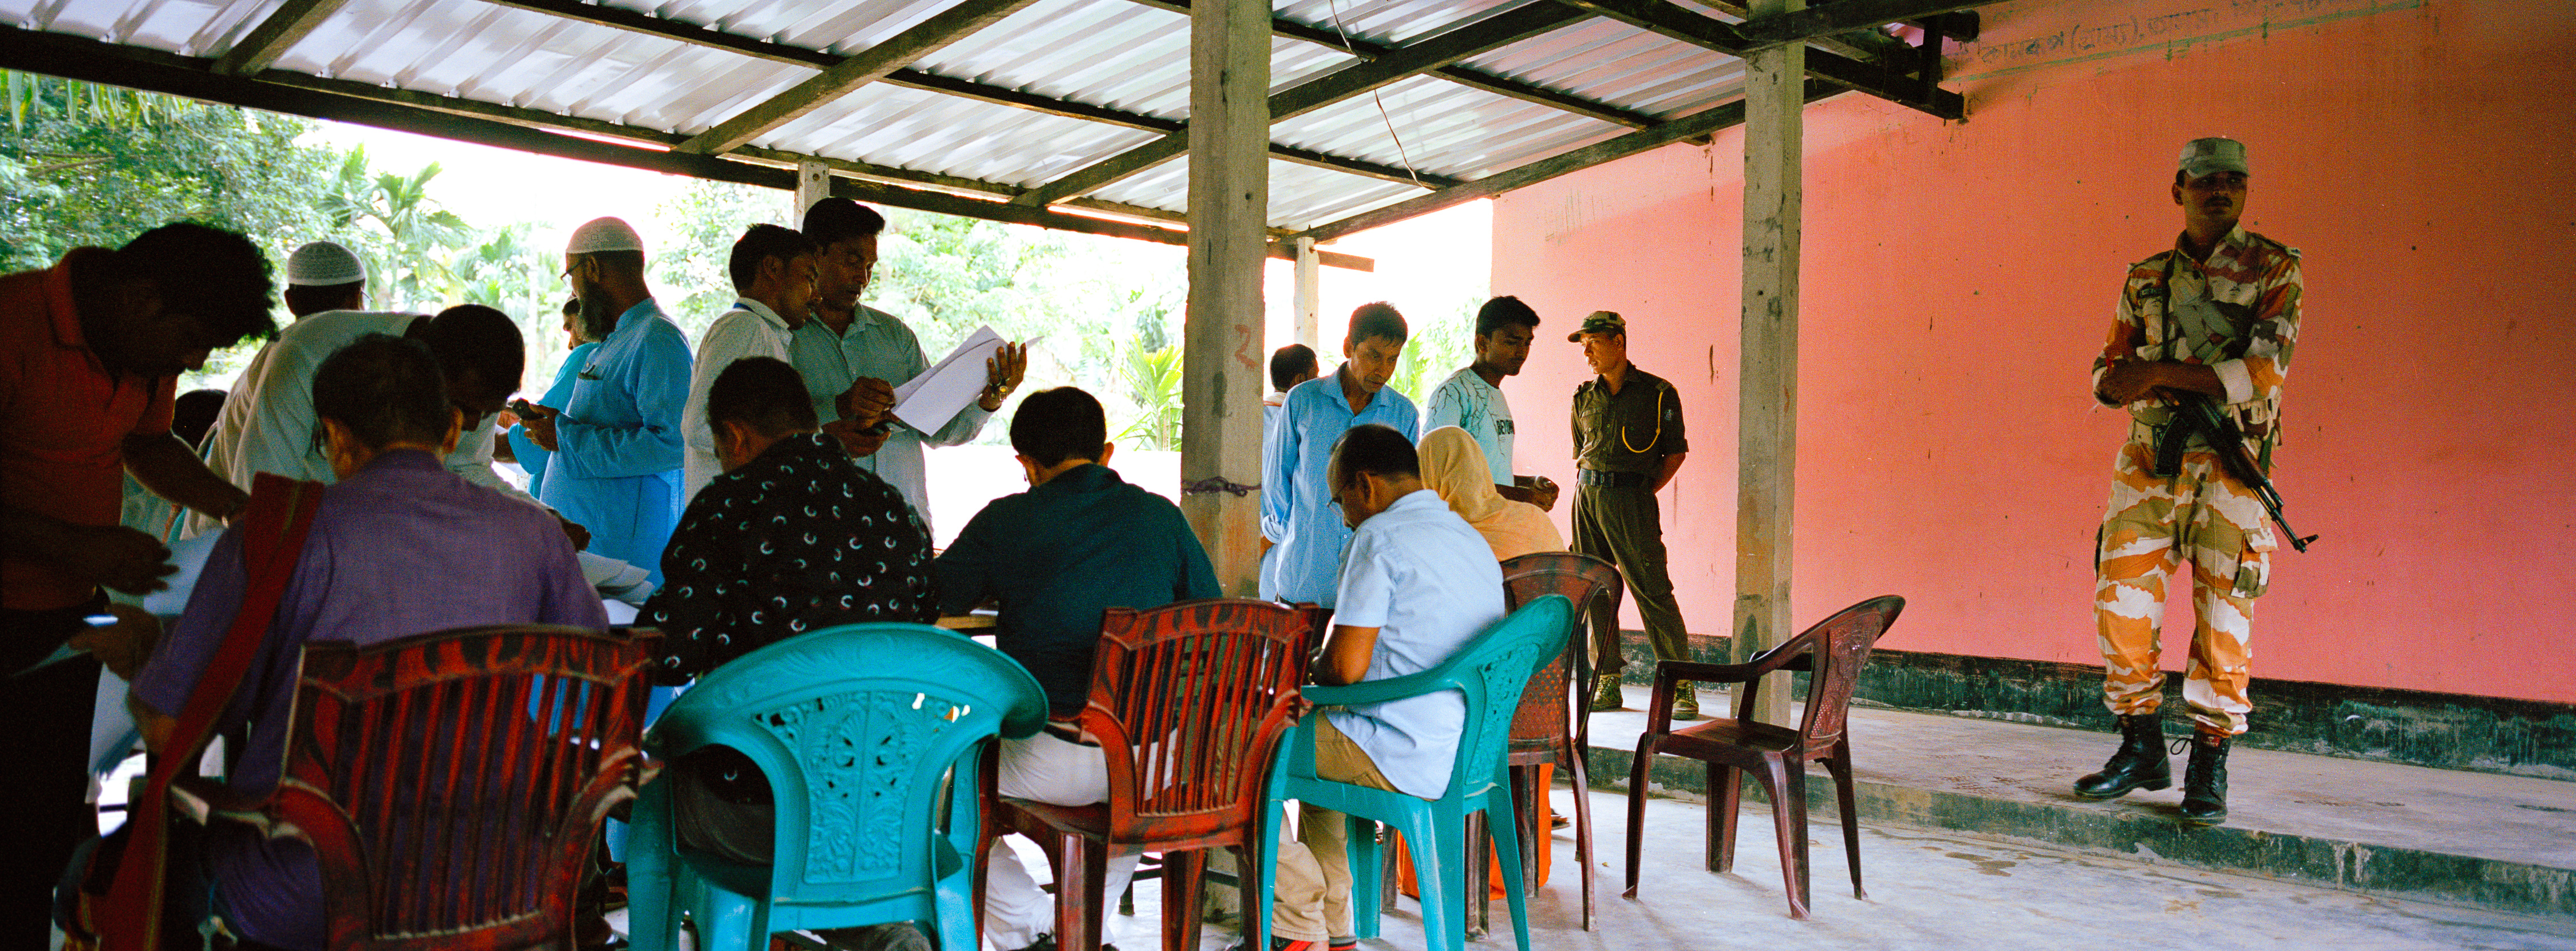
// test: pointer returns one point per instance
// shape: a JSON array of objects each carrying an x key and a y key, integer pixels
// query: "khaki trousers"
[{"x": 1312, "y": 900}]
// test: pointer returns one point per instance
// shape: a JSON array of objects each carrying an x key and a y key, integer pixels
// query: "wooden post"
[
  {"x": 1767, "y": 412},
  {"x": 1229, "y": 148},
  {"x": 1310, "y": 296},
  {"x": 813, "y": 184}
]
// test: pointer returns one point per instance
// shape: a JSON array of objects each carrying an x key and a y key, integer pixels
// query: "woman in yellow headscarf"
[{"x": 1454, "y": 466}]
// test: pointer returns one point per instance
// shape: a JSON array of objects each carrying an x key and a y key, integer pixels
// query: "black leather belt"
[{"x": 1611, "y": 480}]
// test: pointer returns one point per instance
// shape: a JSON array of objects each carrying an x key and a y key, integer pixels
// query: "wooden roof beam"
[
  {"x": 1448, "y": 46},
  {"x": 1844, "y": 16},
  {"x": 1884, "y": 78},
  {"x": 867, "y": 66},
  {"x": 290, "y": 24}
]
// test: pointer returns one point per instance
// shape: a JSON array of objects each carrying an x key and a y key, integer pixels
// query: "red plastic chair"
[
  {"x": 1189, "y": 703},
  {"x": 452, "y": 784},
  {"x": 1548, "y": 726},
  {"x": 1833, "y": 652}
]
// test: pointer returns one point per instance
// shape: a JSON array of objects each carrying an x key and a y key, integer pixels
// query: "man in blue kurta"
[
  {"x": 616, "y": 444},
  {"x": 1297, "y": 513}
]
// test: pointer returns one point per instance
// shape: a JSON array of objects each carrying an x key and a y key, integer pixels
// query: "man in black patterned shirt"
[{"x": 793, "y": 537}]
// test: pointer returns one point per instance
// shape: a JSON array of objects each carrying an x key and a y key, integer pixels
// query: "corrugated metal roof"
[{"x": 1121, "y": 55}]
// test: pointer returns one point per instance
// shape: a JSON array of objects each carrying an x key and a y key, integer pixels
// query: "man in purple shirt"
[{"x": 400, "y": 546}]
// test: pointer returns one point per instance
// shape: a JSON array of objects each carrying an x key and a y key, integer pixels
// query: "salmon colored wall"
[{"x": 1960, "y": 277}]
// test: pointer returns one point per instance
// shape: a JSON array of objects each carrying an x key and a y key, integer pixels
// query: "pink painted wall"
[{"x": 1960, "y": 277}]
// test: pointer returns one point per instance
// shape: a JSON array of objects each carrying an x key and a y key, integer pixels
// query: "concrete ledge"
[{"x": 2495, "y": 843}]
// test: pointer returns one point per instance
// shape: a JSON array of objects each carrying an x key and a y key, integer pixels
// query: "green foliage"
[
  {"x": 690, "y": 279},
  {"x": 1153, "y": 379},
  {"x": 1437, "y": 347},
  {"x": 407, "y": 239}
]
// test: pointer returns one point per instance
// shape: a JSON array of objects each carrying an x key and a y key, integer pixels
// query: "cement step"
[{"x": 2481, "y": 840}]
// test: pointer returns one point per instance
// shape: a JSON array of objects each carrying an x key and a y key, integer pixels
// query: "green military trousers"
[{"x": 1625, "y": 527}]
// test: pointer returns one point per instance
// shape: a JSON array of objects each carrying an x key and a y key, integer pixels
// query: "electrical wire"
[{"x": 1353, "y": 50}]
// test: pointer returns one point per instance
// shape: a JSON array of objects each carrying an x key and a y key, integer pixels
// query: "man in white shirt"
[
  {"x": 1417, "y": 584},
  {"x": 268, "y": 423},
  {"x": 773, "y": 271},
  {"x": 1472, "y": 398}
]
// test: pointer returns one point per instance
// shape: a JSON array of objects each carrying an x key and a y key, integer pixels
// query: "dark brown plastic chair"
[
  {"x": 1550, "y": 725},
  {"x": 452, "y": 784},
  {"x": 1189, "y": 703},
  {"x": 1832, "y": 652}
]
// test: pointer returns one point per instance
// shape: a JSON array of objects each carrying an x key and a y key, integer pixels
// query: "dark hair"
[
  {"x": 763, "y": 393},
  {"x": 472, "y": 337},
  {"x": 1376, "y": 449},
  {"x": 386, "y": 389},
  {"x": 1059, "y": 424},
  {"x": 834, "y": 220},
  {"x": 761, "y": 243},
  {"x": 216, "y": 276},
  {"x": 1377, "y": 320},
  {"x": 193, "y": 413},
  {"x": 314, "y": 298},
  {"x": 1290, "y": 362},
  {"x": 1501, "y": 312}
]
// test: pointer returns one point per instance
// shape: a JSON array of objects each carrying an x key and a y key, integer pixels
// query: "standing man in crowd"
[
  {"x": 1079, "y": 542},
  {"x": 93, "y": 350},
  {"x": 2213, "y": 318},
  {"x": 853, "y": 356},
  {"x": 324, "y": 276},
  {"x": 1472, "y": 398},
  {"x": 1627, "y": 445},
  {"x": 616, "y": 444},
  {"x": 577, "y": 349},
  {"x": 1289, "y": 366},
  {"x": 773, "y": 272},
  {"x": 1297, "y": 513},
  {"x": 1417, "y": 585}
]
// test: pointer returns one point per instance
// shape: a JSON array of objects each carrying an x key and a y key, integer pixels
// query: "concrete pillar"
[
  {"x": 1229, "y": 141},
  {"x": 813, "y": 184},
  {"x": 1767, "y": 414},
  {"x": 1310, "y": 296}
]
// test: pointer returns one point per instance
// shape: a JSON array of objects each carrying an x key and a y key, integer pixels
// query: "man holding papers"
[{"x": 853, "y": 357}]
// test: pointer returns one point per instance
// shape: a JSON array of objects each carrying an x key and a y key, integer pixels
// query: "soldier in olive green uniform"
[{"x": 1627, "y": 445}]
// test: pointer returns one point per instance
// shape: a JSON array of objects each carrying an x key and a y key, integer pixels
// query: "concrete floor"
[{"x": 1938, "y": 891}]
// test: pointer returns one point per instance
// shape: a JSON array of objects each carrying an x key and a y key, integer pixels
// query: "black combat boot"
[
  {"x": 2140, "y": 763},
  {"x": 2204, "y": 781}
]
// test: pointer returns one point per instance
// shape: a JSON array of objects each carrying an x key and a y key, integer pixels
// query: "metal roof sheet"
[{"x": 684, "y": 72}]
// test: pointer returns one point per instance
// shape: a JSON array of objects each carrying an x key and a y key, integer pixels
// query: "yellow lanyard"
[{"x": 1659, "y": 428}]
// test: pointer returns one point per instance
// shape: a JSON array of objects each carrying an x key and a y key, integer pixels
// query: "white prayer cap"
[
  {"x": 604, "y": 234},
  {"x": 321, "y": 264}
]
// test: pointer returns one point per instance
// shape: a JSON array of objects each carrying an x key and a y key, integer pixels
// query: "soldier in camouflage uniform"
[{"x": 2216, "y": 317}]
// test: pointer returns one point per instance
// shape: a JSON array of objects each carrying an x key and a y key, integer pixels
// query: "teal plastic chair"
[
  {"x": 871, "y": 736},
  {"x": 1490, "y": 671}
]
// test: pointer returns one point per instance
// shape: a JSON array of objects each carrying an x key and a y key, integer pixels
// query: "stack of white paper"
[{"x": 929, "y": 401}]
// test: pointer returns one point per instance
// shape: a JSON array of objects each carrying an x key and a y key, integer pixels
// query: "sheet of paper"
[{"x": 929, "y": 401}]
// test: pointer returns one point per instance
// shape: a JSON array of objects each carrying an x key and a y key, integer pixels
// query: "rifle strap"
[{"x": 272, "y": 539}]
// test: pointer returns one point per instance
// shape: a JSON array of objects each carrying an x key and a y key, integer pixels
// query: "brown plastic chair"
[
  {"x": 452, "y": 783},
  {"x": 1833, "y": 652},
  {"x": 1549, "y": 726},
  {"x": 1189, "y": 703}
]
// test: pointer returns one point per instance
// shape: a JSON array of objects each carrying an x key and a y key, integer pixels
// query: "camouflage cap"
[
  {"x": 2203, "y": 156},
  {"x": 1601, "y": 322}
]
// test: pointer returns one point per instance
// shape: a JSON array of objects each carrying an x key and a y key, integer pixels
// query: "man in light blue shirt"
[
  {"x": 773, "y": 280},
  {"x": 1289, "y": 366},
  {"x": 1419, "y": 584},
  {"x": 853, "y": 356},
  {"x": 616, "y": 444},
  {"x": 1296, "y": 500},
  {"x": 1472, "y": 398}
]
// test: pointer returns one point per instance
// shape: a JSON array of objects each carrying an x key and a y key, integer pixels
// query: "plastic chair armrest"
[
  {"x": 203, "y": 801},
  {"x": 1379, "y": 691}
]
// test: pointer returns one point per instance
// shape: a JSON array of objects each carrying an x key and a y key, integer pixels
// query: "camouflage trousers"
[{"x": 2153, "y": 525}]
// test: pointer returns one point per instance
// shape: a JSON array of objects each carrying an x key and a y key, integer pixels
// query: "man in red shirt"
[{"x": 90, "y": 354}]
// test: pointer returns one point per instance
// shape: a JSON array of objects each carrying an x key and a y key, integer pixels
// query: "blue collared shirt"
[
  {"x": 1428, "y": 582},
  {"x": 532, "y": 457},
  {"x": 1297, "y": 513},
  {"x": 616, "y": 467},
  {"x": 878, "y": 345}
]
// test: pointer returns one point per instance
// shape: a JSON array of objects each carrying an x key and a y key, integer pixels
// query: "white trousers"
[{"x": 1044, "y": 769}]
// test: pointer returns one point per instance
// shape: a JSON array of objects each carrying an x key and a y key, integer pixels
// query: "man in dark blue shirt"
[{"x": 1079, "y": 542}]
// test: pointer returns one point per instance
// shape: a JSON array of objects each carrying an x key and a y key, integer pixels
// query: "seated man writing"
[
  {"x": 1417, "y": 584},
  {"x": 1079, "y": 542},
  {"x": 399, "y": 546}
]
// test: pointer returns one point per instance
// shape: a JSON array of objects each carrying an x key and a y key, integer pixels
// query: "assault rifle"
[{"x": 2195, "y": 413}]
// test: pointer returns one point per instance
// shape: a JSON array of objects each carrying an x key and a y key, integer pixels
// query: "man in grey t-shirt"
[{"x": 1472, "y": 398}]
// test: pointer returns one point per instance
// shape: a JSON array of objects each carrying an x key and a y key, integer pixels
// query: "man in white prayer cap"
[
  {"x": 324, "y": 276},
  {"x": 616, "y": 444}
]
